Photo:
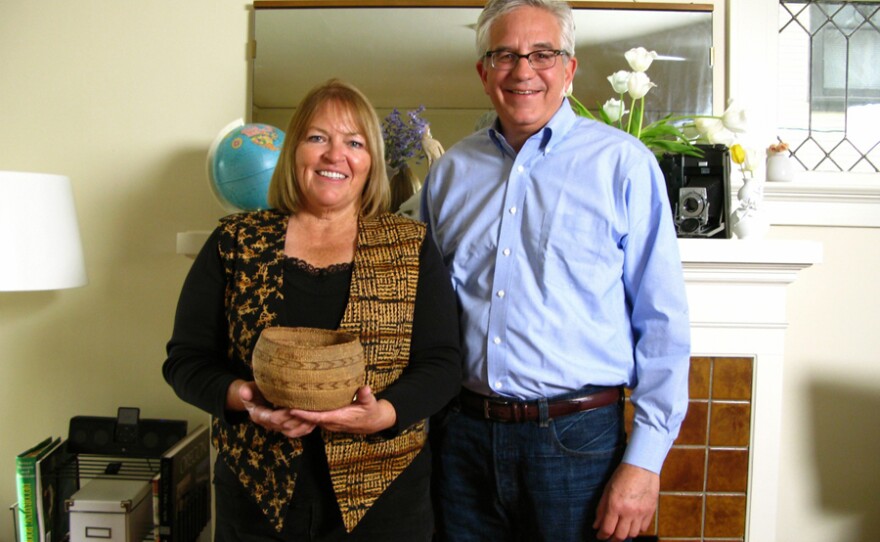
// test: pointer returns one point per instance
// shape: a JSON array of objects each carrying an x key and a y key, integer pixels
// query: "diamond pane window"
[{"x": 829, "y": 84}]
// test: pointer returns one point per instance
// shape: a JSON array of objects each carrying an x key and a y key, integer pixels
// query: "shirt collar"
[{"x": 552, "y": 132}]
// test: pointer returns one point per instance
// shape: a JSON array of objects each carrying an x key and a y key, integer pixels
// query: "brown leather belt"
[{"x": 512, "y": 410}]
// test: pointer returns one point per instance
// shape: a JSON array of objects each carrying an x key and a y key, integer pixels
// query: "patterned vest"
[{"x": 380, "y": 311}]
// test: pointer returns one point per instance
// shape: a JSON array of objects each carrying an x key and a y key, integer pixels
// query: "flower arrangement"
[
  {"x": 746, "y": 219},
  {"x": 671, "y": 134},
  {"x": 780, "y": 147},
  {"x": 780, "y": 165},
  {"x": 746, "y": 159},
  {"x": 403, "y": 136}
]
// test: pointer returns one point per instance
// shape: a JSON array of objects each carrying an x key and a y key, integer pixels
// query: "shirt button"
[
  {"x": 498, "y": 385},
  {"x": 506, "y": 252},
  {"x": 520, "y": 169},
  {"x": 500, "y": 293},
  {"x": 497, "y": 340},
  {"x": 513, "y": 210}
]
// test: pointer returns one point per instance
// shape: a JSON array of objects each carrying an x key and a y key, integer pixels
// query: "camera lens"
[
  {"x": 691, "y": 206},
  {"x": 689, "y": 225}
]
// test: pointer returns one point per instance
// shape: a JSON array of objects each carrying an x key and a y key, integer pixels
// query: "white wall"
[{"x": 124, "y": 97}]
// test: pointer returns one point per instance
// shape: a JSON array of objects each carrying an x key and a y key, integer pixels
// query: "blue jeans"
[{"x": 527, "y": 481}]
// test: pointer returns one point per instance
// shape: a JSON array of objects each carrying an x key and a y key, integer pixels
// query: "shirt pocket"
[{"x": 577, "y": 242}]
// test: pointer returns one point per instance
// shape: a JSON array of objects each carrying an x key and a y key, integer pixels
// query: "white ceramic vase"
[
  {"x": 779, "y": 167},
  {"x": 748, "y": 220},
  {"x": 751, "y": 226}
]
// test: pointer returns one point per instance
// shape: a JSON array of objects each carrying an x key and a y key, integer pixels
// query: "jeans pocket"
[{"x": 589, "y": 433}]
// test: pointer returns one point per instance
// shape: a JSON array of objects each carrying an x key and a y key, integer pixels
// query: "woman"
[{"x": 328, "y": 255}]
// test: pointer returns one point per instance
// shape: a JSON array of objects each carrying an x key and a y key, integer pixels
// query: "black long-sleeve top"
[{"x": 200, "y": 371}]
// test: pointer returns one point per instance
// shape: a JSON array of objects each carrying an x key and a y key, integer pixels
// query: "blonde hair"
[{"x": 284, "y": 190}]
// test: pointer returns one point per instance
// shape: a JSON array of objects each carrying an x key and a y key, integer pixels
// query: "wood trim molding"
[{"x": 653, "y": 6}]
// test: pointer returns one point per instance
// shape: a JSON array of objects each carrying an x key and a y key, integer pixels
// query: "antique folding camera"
[{"x": 699, "y": 192}]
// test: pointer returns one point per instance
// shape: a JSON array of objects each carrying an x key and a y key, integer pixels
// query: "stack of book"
[
  {"x": 42, "y": 490},
  {"x": 48, "y": 474}
]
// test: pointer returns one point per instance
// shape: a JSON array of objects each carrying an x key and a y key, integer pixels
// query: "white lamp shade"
[{"x": 40, "y": 246}]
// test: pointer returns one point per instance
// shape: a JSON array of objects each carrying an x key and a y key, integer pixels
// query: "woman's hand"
[
  {"x": 366, "y": 415},
  {"x": 265, "y": 415}
]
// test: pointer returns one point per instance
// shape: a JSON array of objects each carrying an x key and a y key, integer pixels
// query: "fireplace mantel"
[{"x": 737, "y": 298}]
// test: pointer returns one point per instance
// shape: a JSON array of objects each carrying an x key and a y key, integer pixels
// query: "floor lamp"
[{"x": 40, "y": 246}]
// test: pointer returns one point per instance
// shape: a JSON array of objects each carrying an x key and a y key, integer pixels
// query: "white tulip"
[
  {"x": 722, "y": 137},
  {"x": 619, "y": 81},
  {"x": 754, "y": 157},
  {"x": 708, "y": 126},
  {"x": 638, "y": 85},
  {"x": 640, "y": 59},
  {"x": 734, "y": 119},
  {"x": 614, "y": 108}
]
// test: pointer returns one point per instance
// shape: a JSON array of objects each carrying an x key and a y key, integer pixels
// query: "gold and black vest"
[{"x": 380, "y": 311}]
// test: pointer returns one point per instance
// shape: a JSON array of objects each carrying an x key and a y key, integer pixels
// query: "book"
[
  {"x": 157, "y": 521},
  {"x": 56, "y": 482},
  {"x": 185, "y": 487},
  {"x": 26, "y": 487}
]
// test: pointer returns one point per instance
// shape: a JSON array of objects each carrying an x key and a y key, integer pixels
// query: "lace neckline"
[{"x": 310, "y": 269}]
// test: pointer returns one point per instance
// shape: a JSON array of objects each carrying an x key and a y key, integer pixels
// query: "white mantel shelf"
[
  {"x": 761, "y": 252},
  {"x": 737, "y": 296}
]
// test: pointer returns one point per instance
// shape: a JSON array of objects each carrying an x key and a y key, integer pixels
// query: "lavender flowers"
[{"x": 403, "y": 136}]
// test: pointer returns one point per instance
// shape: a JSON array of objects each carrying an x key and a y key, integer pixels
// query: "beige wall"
[
  {"x": 830, "y": 453},
  {"x": 125, "y": 97}
]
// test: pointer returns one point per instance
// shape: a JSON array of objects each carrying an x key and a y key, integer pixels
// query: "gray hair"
[{"x": 496, "y": 8}]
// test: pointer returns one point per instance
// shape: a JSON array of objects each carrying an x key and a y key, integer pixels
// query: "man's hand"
[{"x": 628, "y": 503}]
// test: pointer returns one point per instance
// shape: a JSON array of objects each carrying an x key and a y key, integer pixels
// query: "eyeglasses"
[{"x": 538, "y": 60}]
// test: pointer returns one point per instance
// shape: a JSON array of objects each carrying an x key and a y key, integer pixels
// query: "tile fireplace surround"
[{"x": 737, "y": 295}]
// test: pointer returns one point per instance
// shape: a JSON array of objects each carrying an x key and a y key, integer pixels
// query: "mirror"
[{"x": 406, "y": 54}]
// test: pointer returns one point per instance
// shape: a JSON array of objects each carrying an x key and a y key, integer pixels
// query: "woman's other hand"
[{"x": 364, "y": 416}]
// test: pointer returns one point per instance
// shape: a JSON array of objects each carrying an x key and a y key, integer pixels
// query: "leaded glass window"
[{"x": 829, "y": 84}]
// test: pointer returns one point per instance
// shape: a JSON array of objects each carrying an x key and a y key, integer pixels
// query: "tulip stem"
[{"x": 641, "y": 117}]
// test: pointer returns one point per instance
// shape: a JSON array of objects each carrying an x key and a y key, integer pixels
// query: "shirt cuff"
[{"x": 647, "y": 449}]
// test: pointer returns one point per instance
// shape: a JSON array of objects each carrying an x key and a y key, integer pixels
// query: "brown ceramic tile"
[
  {"x": 684, "y": 470},
  {"x": 732, "y": 378},
  {"x": 728, "y": 471},
  {"x": 730, "y": 424},
  {"x": 695, "y": 425},
  {"x": 698, "y": 380},
  {"x": 679, "y": 515},
  {"x": 725, "y": 516}
]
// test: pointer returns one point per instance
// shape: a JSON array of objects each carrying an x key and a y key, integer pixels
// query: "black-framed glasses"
[{"x": 538, "y": 60}]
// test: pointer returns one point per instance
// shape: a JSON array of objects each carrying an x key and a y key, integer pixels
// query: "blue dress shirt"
[{"x": 566, "y": 265}]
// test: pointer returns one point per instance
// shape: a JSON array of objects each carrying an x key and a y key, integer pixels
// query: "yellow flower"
[{"x": 738, "y": 154}]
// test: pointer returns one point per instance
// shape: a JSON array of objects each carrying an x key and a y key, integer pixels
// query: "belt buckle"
[{"x": 488, "y": 403}]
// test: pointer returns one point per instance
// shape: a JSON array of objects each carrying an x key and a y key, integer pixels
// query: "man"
[{"x": 560, "y": 243}]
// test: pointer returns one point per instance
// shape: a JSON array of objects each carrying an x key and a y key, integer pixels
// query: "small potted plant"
[{"x": 779, "y": 165}]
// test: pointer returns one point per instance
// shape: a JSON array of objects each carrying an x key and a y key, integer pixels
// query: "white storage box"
[{"x": 111, "y": 510}]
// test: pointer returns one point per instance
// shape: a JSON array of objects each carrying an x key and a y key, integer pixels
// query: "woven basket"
[{"x": 306, "y": 368}]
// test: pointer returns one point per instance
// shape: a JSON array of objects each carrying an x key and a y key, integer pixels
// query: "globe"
[{"x": 240, "y": 164}]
